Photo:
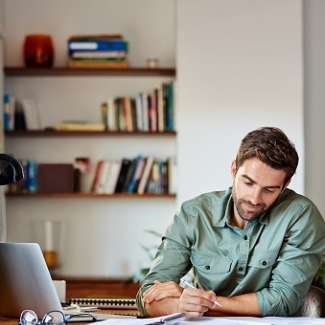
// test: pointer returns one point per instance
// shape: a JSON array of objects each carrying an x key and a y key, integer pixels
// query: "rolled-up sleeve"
[
  {"x": 296, "y": 265},
  {"x": 172, "y": 259}
]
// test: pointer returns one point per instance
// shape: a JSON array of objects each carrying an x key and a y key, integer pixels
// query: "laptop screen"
[{"x": 25, "y": 282}]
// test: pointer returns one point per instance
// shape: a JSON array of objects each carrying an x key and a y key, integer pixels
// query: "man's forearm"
[{"x": 244, "y": 305}]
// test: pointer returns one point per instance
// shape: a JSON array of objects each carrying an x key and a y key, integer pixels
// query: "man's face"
[{"x": 256, "y": 186}]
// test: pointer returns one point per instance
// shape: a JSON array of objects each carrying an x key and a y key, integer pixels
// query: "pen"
[
  {"x": 169, "y": 320},
  {"x": 191, "y": 286},
  {"x": 172, "y": 319}
]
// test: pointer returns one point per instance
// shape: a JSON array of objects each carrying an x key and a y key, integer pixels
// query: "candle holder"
[
  {"x": 49, "y": 234},
  {"x": 38, "y": 51}
]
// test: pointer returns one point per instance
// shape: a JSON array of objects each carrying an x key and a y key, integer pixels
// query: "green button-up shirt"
[{"x": 275, "y": 256}]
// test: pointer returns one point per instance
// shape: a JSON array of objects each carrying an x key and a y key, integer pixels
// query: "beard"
[{"x": 246, "y": 209}]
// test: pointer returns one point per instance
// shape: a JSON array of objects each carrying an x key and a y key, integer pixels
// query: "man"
[{"x": 253, "y": 248}]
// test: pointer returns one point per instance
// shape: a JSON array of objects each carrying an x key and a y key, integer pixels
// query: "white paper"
[
  {"x": 222, "y": 321},
  {"x": 295, "y": 320}
]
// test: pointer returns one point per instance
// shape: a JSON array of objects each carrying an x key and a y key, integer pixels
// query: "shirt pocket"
[
  {"x": 211, "y": 264},
  {"x": 263, "y": 260}
]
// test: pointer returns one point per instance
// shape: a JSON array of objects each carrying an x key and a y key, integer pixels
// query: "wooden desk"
[
  {"x": 93, "y": 287},
  {"x": 14, "y": 321}
]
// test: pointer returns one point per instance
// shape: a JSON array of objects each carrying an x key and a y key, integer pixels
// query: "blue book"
[
  {"x": 169, "y": 108},
  {"x": 97, "y": 45},
  {"x": 136, "y": 174},
  {"x": 32, "y": 176}
]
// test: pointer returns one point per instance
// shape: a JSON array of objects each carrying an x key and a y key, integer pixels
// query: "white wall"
[
  {"x": 239, "y": 66},
  {"x": 314, "y": 25}
]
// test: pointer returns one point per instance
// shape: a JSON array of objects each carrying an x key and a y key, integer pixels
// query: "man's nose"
[{"x": 256, "y": 196}]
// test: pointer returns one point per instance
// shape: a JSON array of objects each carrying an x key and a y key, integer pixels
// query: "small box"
[{"x": 55, "y": 178}]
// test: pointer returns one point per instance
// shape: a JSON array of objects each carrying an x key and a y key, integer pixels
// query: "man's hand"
[
  {"x": 195, "y": 302},
  {"x": 161, "y": 290},
  {"x": 172, "y": 298},
  {"x": 165, "y": 298}
]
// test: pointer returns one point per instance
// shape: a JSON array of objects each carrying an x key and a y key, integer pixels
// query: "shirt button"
[
  {"x": 245, "y": 237},
  {"x": 240, "y": 269},
  {"x": 207, "y": 267},
  {"x": 264, "y": 263}
]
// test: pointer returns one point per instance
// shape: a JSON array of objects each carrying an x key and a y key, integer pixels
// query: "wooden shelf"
[
  {"x": 65, "y": 71},
  {"x": 54, "y": 133},
  {"x": 88, "y": 195}
]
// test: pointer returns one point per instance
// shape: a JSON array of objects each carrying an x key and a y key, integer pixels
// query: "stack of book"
[
  {"x": 97, "y": 51},
  {"x": 45, "y": 178},
  {"x": 146, "y": 112},
  {"x": 20, "y": 113},
  {"x": 142, "y": 174}
]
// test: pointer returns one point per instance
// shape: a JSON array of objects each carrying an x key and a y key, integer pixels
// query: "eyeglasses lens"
[
  {"x": 28, "y": 317},
  {"x": 53, "y": 318}
]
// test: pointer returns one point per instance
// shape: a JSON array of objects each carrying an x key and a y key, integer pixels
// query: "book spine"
[
  {"x": 66, "y": 126},
  {"x": 172, "y": 174},
  {"x": 145, "y": 175},
  {"x": 32, "y": 176},
  {"x": 129, "y": 175},
  {"x": 170, "y": 108},
  {"x": 113, "y": 176},
  {"x": 160, "y": 109},
  {"x": 110, "y": 64},
  {"x": 103, "y": 177},
  {"x": 98, "y": 45},
  {"x": 120, "y": 114},
  {"x": 111, "y": 116},
  {"x": 134, "y": 114},
  {"x": 153, "y": 186},
  {"x": 127, "y": 114},
  {"x": 20, "y": 121},
  {"x": 145, "y": 114},
  {"x": 98, "y": 54},
  {"x": 139, "y": 115},
  {"x": 134, "y": 183},
  {"x": 152, "y": 113},
  {"x": 125, "y": 165},
  {"x": 97, "y": 176},
  {"x": 9, "y": 108}
]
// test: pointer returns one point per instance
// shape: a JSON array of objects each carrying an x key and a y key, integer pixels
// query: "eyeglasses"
[
  {"x": 29, "y": 317},
  {"x": 55, "y": 317}
]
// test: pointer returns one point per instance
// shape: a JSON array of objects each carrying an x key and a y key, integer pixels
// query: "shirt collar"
[{"x": 226, "y": 220}]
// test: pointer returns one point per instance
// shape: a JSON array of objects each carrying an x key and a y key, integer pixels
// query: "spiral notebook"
[{"x": 105, "y": 303}]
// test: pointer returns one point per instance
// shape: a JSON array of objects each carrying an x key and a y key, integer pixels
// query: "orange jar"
[{"x": 38, "y": 50}]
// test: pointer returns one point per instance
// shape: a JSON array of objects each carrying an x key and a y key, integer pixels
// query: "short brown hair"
[{"x": 271, "y": 146}]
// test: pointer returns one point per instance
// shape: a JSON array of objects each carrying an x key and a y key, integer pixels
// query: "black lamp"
[{"x": 11, "y": 170}]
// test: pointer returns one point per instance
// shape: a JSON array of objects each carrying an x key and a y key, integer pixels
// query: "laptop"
[{"x": 26, "y": 283}]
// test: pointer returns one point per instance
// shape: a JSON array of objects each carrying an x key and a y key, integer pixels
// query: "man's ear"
[{"x": 233, "y": 168}]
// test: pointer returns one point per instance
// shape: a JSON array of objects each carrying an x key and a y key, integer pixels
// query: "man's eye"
[{"x": 268, "y": 190}]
